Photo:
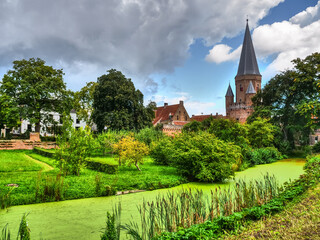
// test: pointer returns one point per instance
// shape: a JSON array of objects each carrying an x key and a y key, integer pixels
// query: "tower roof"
[
  {"x": 248, "y": 63},
  {"x": 250, "y": 89},
  {"x": 229, "y": 92}
]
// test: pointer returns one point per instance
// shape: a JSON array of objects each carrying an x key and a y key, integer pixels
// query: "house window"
[
  {"x": 77, "y": 128},
  {"x": 29, "y": 127},
  {"x": 240, "y": 99},
  {"x": 77, "y": 121},
  {"x": 177, "y": 117},
  {"x": 241, "y": 88},
  {"x": 60, "y": 120},
  {"x": 185, "y": 118}
]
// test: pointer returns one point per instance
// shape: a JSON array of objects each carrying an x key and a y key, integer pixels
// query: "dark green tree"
[
  {"x": 35, "y": 89},
  {"x": 118, "y": 105},
  {"x": 291, "y": 100},
  {"x": 83, "y": 102}
]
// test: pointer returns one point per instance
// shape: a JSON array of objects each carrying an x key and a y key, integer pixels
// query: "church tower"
[{"x": 248, "y": 82}]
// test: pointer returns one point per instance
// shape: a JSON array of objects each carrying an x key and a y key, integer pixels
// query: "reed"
[
  {"x": 5, "y": 199},
  {"x": 49, "y": 189},
  {"x": 113, "y": 224},
  {"x": 176, "y": 210},
  {"x": 5, "y": 233}
]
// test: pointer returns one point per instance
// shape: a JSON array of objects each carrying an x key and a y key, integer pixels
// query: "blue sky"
[{"x": 172, "y": 50}]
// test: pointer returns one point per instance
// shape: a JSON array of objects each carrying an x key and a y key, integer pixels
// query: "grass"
[
  {"x": 16, "y": 161},
  {"x": 89, "y": 184},
  {"x": 300, "y": 220}
]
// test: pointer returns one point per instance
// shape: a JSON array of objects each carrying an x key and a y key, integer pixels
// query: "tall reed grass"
[
  {"x": 5, "y": 199},
  {"x": 50, "y": 188},
  {"x": 176, "y": 210}
]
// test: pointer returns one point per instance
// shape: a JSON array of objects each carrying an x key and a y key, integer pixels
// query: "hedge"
[
  {"x": 101, "y": 166},
  {"x": 43, "y": 152}
]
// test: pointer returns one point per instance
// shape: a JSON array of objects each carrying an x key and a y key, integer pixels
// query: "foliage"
[
  {"x": 35, "y": 90},
  {"x": 162, "y": 151},
  {"x": 264, "y": 155},
  {"x": 24, "y": 230},
  {"x": 290, "y": 99},
  {"x": 101, "y": 166},
  {"x": 131, "y": 151},
  {"x": 149, "y": 135},
  {"x": 118, "y": 105},
  {"x": 260, "y": 133},
  {"x": 105, "y": 140},
  {"x": 50, "y": 188},
  {"x": 44, "y": 152},
  {"x": 113, "y": 224},
  {"x": 193, "y": 126},
  {"x": 182, "y": 209},
  {"x": 316, "y": 148},
  {"x": 84, "y": 102},
  {"x": 5, "y": 233},
  {"x": 74, "y": 148},
  {"x": 218, "y": 226},
  {"x": 9, "y": 111},
  {"x": 203, "y": 157}
]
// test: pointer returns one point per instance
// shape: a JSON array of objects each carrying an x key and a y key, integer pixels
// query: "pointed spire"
[
  {"x": 248, "y": 63},
  {"x": 250, "y": 88},
  {"x": 229, "y": 92}
]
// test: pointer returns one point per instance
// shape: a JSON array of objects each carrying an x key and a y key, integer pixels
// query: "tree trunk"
[
  {"x": 37, "y": 128},
  {"x": 136, "y": 164}
]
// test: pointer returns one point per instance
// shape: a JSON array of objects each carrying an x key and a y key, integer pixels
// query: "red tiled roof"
[
  {"x": 180, "y": 123},
  {"x": 201, "y": 118},
  {"x": 162, "y": 113}
]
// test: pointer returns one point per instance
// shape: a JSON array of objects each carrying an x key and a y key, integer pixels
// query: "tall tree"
[
  {"x": 291, "y": 100},
  {"x": 118, "y": 105},
  {"x": 84, "y": 102},
  {"x": 36, "y": 89}
]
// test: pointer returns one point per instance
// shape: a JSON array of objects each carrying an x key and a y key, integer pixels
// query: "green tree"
[
  {"x": 74, "y": 147},
  {"x": 203, "y": 157},
  {"x": 9, "y": 112},
  {"x": 193, "y": 126},
  {"x": 260, "y": 133},
  {"x": 84, "y": 102},
  {"x": 37, "y": 90},
  {"x": 118, "y": 105}
]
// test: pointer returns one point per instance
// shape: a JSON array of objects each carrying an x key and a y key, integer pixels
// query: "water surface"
[{"x": 85, "y": 218}]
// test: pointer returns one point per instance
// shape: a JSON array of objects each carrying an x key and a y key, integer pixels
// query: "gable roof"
[
  {"x": 250, "y": 89},
  {"x": 248, "y": 63},
  {"x": 162, "y": 113}
]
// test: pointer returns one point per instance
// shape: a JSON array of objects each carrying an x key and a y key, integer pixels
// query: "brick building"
[
  {"x": 247, "y": 82},
  {"x": 173, "y": 117}
]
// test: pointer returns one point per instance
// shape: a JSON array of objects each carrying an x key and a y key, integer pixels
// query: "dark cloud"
[{"x": 139, "y": 37}]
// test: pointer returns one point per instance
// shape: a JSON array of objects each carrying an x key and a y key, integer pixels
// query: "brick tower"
[{"x": 248, "y": 82}]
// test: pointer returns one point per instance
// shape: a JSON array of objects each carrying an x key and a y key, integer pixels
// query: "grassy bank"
[
  {"x": 300, "y": 220},
  {"x": 36, "y": 185}
]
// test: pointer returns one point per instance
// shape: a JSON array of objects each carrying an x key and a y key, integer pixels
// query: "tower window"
[
  {"x": 241, "y": 88},
  {"x": 258, "y": 87}
]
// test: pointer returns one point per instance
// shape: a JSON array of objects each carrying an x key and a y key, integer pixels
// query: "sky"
[{"x": 171, "y": 49}]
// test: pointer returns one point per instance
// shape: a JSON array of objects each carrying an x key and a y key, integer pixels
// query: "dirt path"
[{"x": 45, "y": 167}]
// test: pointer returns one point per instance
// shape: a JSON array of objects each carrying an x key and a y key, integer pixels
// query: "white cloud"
[
  {"x": 285, "y": 40},
  {"x": 222, "y": 53}
]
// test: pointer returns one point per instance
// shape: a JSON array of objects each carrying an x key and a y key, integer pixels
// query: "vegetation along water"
[{"x": 85, "y": 218}]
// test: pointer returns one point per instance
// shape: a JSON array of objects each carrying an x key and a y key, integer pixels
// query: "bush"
[
  {"x": 149, "y": 135},
  {"x": 316, "y": 148},
  {"x": 43, "y": 152},
  {"x": 162, "y": 151},
  {"x": 203, "y": 157},
  {"x": 48, "y": 138},
  {"x": 264, "y": 155},
  {"x": 101, "y": 166}
]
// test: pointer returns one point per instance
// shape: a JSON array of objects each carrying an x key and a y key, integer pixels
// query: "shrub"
[
  {"x": 162, "y": 151},
  {"x": 131, "y": 151},
  {"x": 203, "y": 157},
  {"x": 316, "y": 148},
  {"x": 43, "y": 152},
  {"x": 101, "y": 166},
  {"x": 149, "y": 135},
  {"x": 74, "y": 148},
  {"x": 260, "y": 133},
  {"x": 264, "y": 155}
]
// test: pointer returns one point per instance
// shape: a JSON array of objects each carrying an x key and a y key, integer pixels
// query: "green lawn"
[
  {"x": 17, "y": 161},
  {"x": 89, "y": 184}
]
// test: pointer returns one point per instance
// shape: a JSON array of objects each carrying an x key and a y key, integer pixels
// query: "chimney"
[
  {"x": 165, "y": 104},
  {"x": 217, "y": 114},
  {"x": 181, "y": 102}
]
